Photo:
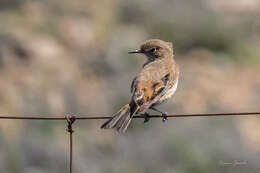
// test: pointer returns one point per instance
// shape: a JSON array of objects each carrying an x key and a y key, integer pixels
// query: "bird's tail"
[{"x": 120, "y": 121}]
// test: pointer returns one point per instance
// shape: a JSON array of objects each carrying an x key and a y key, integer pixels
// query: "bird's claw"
[
  {"x": 164, "y": 119},
  {"x": 146, "y": 117}
]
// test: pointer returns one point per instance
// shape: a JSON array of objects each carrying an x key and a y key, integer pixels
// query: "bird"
[{"x": 156, "y": 83}]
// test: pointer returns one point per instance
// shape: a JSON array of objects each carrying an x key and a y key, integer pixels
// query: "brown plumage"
[{"x": 156, "y": 83}]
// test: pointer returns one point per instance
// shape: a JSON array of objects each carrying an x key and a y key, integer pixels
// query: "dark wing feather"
[{"x": 133, "y": 84}]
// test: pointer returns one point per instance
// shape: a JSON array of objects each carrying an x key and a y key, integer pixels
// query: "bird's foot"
[
  {"x": 164, "y": 114},
  {"x": 146, "y": 117},
  {"x": 164, "y": 117}
]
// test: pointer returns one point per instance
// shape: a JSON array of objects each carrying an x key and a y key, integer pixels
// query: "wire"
[
  {"x": 70, "y": 120},
  {"x": 86, "y": 117}
]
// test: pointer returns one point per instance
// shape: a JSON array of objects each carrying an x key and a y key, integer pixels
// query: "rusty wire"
[
  {"x": 71, "y": 119},
  {"x": 87, "y": 117}
]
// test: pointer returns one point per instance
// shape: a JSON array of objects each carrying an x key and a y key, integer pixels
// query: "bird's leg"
[
  {"x": 164, "y": 114},
  {"x": 146, "y": 117}
]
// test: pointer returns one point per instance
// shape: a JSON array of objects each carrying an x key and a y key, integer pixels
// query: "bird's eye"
[{"x": 153, "y": 50}]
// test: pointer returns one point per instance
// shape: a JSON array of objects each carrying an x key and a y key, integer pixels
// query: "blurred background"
[{"x": 62, "y": 56}]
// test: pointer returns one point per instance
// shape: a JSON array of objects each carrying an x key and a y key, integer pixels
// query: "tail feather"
[
  {"x": 120, "y": 121},
  {"x": 124, "y": 125}
]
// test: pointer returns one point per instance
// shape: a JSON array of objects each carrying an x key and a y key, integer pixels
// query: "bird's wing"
[
  {"x": 145, "y": 93},
  {"x": 133, "y": 85}
]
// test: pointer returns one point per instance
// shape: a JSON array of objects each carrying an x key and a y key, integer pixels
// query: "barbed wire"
[{"x": 72, "y": 118}]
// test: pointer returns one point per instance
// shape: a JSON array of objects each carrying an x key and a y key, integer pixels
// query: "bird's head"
[{"x": 155, "y": 49}]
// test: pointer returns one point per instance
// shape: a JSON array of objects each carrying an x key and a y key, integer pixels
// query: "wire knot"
[{"x": 70, "y": 120}]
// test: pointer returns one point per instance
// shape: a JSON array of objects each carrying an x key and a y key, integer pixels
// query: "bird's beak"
[{"x": 136, "y": 51}]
